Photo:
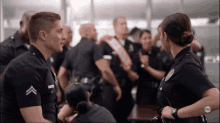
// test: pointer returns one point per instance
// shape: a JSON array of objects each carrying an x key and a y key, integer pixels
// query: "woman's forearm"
[
  {"x": 158, "y": 74},
  {"x": 200, "y": 107}
]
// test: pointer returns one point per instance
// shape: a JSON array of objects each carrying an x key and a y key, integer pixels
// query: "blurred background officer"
[
  {"x": 14, "y": 46},
  {"x": 134, "y": 36},
  {"x": 165, "y": 57},
  {"x": 199, "y": 50},
  {"x": 56, "y": 59},
  {"x": 185, "y": 93},
  {"x": 124, "y": 74},
  {"x": 88, "y": 64},
  {"x": 28, "y": 84},
  {"x": 150, "y": 71},
  {"x": 78, "y": 98}
]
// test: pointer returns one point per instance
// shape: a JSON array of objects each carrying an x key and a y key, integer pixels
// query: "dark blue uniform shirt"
[
  {"x": 28, "y": 81},
  {"x": 82, "y": 59},
  {"x": 185, "y": 82},
  {"x": 10, "y": 48}
]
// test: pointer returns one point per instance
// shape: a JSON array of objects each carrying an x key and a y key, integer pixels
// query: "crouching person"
[{"x": 78, "y": 101}]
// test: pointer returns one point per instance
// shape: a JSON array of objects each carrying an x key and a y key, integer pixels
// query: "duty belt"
[{"x": 81, "y": 80}]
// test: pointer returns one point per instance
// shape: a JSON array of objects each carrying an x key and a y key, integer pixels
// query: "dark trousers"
[{"x": 119, "y": 109}]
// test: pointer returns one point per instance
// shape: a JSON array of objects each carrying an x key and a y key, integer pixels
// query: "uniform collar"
[
  {"x": 18, "y": 41},
  {"x": 182, "y": 53},
  {"x": 36, "y": 52}
]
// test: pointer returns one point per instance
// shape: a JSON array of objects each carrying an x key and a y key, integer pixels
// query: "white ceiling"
[{"x": 109, "y": 9}]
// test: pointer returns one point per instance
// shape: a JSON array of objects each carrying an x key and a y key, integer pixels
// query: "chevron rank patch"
[
  {"x": 169, "y": 75},
  {"x": 31, "y": 90}
]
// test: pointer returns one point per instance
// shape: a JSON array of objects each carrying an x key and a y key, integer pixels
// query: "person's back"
[
  {"x": 85, "y": 55},
  {"x": 95, "y": 114}
]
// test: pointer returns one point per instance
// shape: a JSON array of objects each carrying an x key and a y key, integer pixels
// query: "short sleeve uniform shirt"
[
  {"x": 28, "y": 81},
  {"x": 82, "y": 59},
  {"x": 185, "y": 82},
  {"x": 10, "y": 49}
]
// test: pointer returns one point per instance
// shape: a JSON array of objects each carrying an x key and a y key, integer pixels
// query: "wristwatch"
[{"x": 174, "y": 113}]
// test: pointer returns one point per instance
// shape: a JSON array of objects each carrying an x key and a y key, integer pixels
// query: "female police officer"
[{"x": 185, "y": 93}]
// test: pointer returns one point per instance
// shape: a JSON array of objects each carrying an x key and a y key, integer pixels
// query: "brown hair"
[
  {"x": 143, "y": 31},
  {"x": 178, "y": 28},
  {"x": 41, "y": 21}
]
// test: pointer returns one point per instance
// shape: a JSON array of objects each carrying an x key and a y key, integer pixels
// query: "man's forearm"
[
  {"x": 63, "y": 81},
  {"x": 133, "y": 76},
  {"x": 109, "y": 76}
]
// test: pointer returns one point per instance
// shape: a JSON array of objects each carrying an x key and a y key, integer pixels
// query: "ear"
[
  {"x": 88, "y": 94},
  {"x": 42, "y": 35},
  {"x": 165, "y": 37}
]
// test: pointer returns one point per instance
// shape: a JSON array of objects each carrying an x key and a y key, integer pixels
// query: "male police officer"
[
  {"x": 15, "y": 45},
  {"x": 57, "y": 58},
  {"x": 28, "y": 84},
  {"x": 87, "y": 61},
  {"x": 121, "y": 52}
]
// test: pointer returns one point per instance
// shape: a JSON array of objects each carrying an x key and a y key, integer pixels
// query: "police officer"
[
  {"x": 14, "y": 45},
  {"x": 125, "y": 74},
  {"x": 56, "y": 59},
  {"x": 28, "y": 84},
  {"x": 199, "y": 50},
  {"x": 17, "y": 44},
  {"x": 150, "y": 71},
  {"x": 185, "y": 93},
  {"x": 87, "y": 61}
]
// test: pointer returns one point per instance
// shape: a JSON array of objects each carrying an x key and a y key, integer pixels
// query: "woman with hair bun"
[
  {"x": 78, "y": 99},
  {"x": 185, "y": 94}
]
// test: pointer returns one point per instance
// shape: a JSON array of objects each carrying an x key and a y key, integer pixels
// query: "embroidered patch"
[
  {"x": 169, "y": 74},
  {"x": 31, "y": 89}
]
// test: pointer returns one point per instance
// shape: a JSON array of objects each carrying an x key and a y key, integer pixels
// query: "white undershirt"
[{"x": 122, "y": 42}]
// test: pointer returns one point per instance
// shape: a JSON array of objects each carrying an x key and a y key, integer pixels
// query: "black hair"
[
  {"x": 135, "y": 30},
  {"x": 76, "y": 95},
  {"x": 178, "y": 28},
  {"x": 143, "y": 31}
]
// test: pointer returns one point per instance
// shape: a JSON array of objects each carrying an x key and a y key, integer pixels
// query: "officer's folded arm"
[
  {"x": 33, "y": 114},
  {"x": 132, "y": 75}
]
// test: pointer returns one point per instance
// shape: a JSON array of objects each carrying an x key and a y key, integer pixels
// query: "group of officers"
[{"x": 37, "y": 64}]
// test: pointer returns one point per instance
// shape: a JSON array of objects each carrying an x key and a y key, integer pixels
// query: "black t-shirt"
[
  {"x": 10, "y": 48},
  {"x": 56, "y": 59},
  {"x": 95, "y": 114},
  {"x": 82, "y": 59},
  {"x": 185, "y": 82},
  {"x": 28, "y": 81}
]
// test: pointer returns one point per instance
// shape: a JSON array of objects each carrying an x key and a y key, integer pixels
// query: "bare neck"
[
  {"x": 120, "y": 37},
  {"x": 43, "y": 49},
  {"x": 175, "y": 49}
]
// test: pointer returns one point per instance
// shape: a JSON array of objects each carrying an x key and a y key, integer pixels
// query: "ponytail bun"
[
  {"x": 186, "y": 38},
  {"x": 82, "y": 107}
]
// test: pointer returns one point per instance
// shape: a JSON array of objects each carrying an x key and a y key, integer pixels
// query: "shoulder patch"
[{"x": 169, "y": 75}]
